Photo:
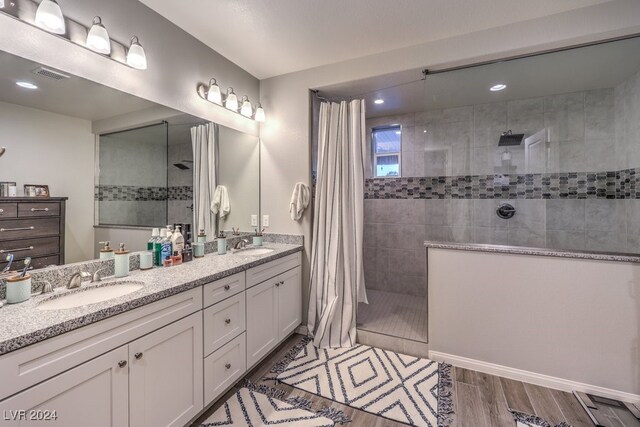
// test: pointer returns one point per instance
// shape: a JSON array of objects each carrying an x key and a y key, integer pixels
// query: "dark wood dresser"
[{"x": 32, "y": 227}]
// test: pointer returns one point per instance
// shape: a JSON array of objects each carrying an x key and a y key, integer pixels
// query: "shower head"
[
  {"x": 510, "y": 139},
  {"x": 181, "y": 166}
]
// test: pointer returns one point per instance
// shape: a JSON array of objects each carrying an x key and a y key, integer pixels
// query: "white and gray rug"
[
  {"x": 526, "y": 420},
  {"x": 258, "y": 406},
  {"x": 402, "y": 388}
]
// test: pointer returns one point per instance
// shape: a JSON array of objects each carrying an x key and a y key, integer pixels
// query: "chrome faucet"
[
  {"x": 77, "y": 279},
  {"x": 46, "y": 287},
  {"x": 241, "y": 244},
  {"x": 96, "y": 276}
]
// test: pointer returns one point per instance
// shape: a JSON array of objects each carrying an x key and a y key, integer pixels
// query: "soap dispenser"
[
  {"x": 106, "y": 252},
  {"x": 122, "y": 262}
]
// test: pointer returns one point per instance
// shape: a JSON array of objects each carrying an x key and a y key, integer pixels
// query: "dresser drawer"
[
  {"x": 271, "y": 269},
  {"x": 8, "y": 210},
  {"x": 223, "y": 368},
  {"x": 223, "y": 322},
  {"x": 222, "y": 289},
  {"x": 26, "y": 210},
  {"x": 26, "y": 228},
  {"x": 31, "y": 247}
]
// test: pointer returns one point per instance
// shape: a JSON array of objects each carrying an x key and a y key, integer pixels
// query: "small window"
[{"x": 387, "y": 150}]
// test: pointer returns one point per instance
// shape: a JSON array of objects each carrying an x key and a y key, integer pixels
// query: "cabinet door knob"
[
  {"x": 138, "y": 356},
  {"x": 228, "y": 366},
  {"x": 122, "y": 363},
  {"x": 1, "y": 210},
  {"x": 227, "y": 321},
  {"x": 227, "y": 287},
  {"x": 279, "y": 283}
]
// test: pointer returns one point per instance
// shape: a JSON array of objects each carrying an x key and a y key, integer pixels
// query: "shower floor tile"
[{"x": 398, "y": 315}]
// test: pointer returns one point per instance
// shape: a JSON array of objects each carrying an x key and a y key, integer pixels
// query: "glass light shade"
[
  {"x": 1, "y": 4},
  {"x": 49, "y": 17},
  {"x": 136, "y": 57},
  {"x": 98, "y": 38},
  {"x": 213, "y": 94},
  {"x": 232, "y": 100},
  {"x": 259, "y": 117},
  {"x": 246, "y": 109}
]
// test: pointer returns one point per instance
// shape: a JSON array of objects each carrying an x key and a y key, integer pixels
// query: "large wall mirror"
[{"x": 82, "y": 163}]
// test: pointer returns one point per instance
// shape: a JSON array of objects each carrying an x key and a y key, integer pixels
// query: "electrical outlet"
[
  {"x": 254, "y": 220},
  {"x": 265, "y": 220}
]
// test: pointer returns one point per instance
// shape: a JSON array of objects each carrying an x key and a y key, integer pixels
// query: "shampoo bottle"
[{"x": 177, "y": 241}]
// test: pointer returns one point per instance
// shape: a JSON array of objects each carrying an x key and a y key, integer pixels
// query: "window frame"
[{"x": 375, "y": 155}]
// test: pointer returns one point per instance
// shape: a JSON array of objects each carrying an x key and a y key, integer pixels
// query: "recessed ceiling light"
[
  {"x": 27, "y": 85},
  {"x": 498, "y": 87},
  {"x": 379, "y": 101}
]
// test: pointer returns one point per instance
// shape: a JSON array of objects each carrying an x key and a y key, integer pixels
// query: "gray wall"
[{"x": 180, "y": 149}]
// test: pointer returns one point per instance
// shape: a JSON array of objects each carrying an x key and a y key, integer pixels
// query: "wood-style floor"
[{"x": 480, "y": 400}]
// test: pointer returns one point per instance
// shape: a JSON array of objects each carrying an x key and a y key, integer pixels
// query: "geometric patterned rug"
[
  {"x": 526, "y": 420},
  {"x": 252, "y": 408},
  {"x": 395, "y": 386}
]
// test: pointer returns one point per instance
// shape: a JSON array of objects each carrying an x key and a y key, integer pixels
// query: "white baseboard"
[{"x": 532, "y": 377}]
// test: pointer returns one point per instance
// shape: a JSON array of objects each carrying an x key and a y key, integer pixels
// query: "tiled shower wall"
[{"x": 582, "y": 195}]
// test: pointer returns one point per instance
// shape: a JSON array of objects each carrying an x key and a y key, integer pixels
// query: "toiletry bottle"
[
  {"x": 122, "y": 262},
  {"x": 187, "y": 254},
  {"x": 166, "y": 250},
  {"x": 157, "y": 248},
  {"x": 154, "y": 236},
  {"x": 201, "y": 236},
  {"x": 177, "y": 241},
  {"x": 106, "y": 252},
  {"x": 176, "y": 258}
]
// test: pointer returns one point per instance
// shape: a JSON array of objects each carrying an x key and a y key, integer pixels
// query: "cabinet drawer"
[
  {"x": 271, "y": 269},
  {"x": 26, "y": 210},
  {"x": 31, "y": 247},
  {"x": 8, "y": 210},
  {"x": 223, "y": 368},
  {"x": 223, "y": 322},
  {"x": 222, "y": 289},
  {"x": 25, "y": 228}
]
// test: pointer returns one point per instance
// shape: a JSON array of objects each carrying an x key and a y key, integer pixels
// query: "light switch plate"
[
  {"x": 265, "y": 220},
  {"x": 254, "y": 220}
]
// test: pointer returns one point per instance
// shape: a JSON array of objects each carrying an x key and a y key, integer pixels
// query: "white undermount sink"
[
  {"x": 91, "y": 296},
  {"x": 255, "y": 251}
]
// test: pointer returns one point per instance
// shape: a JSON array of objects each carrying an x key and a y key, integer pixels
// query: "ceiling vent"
[{"x": 49, "y": 73}]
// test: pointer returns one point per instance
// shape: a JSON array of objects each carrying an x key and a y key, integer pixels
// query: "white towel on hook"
[
  {"x": 299, "y": 200},
  {"x": 220, "y": 202}
]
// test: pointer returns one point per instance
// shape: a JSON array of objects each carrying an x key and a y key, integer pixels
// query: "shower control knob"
[{"x": 506, "y": 211}]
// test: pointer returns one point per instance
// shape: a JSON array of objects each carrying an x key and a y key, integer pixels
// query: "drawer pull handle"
[
  {"x": 17, "y": 229},
  {"x": 138, "y": 356},
  {"x": 227, "y": 287},
  {"x": 228, "y": 366},
  {"x": 4, "y": 251},
  {"x": 39, "y": 209},
  {"x": 122, "y": 363},
  {"x": 227, "y": 321},
  {"x": 279, "y": 283}
]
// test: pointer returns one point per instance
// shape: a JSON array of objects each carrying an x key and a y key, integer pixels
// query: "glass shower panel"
[{"x": 132, "y": 188}]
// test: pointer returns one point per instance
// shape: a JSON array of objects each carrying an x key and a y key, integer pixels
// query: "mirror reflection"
[{"x": 81, "y": 163}]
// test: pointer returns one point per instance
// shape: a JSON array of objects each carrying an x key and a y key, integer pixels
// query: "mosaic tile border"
[
  {"x": 572, "y": 185},
  {"x": 130, "y": 193}
]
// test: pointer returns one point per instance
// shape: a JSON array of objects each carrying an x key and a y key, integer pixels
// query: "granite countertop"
[
  {"x": 23, "y": 324},
  {"x": 520, "y": 250}
]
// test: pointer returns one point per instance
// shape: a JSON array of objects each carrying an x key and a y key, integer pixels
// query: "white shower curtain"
[
  {"x": 204, "y": 141},
  {"x": 337, "y": 273}
]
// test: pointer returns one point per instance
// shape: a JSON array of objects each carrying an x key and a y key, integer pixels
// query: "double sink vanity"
[{"x": 155, "y": 348}]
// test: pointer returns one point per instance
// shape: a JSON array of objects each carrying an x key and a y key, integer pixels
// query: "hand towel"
[
  {"x": 220, "y": 202},
  {"x": 299, "y": 200}
]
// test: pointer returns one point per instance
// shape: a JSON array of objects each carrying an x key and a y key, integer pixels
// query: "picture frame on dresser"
[{"x": 36, "y": 190}]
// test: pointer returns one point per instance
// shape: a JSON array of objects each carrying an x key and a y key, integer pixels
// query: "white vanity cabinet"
[{"x": 273, "y": 306}]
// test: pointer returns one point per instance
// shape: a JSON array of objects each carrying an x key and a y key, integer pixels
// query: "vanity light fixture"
[
  {"x": 49, "y": 17},
  {"x": 27, "y": 85},
  {"x": 259, "y": 115},
  {"x": 232, "y": 100},
  {"x": 379, "y": 101},
  {"x": 498, "y": 87},
  {"x": 1, "y": 4},
  {"x": 136, "y": 57},
  {"x": 246, "y": 109},
  {"x": 98, "y": 38},
  {"x": 213, "y": 94}
]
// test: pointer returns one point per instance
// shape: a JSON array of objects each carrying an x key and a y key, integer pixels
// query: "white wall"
[
  {"x": 286, "y": 133},
  {"x": 568, "y": 318},
  {"x": 48, "y": 148},
  {"x": 177, "y": 61}
]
